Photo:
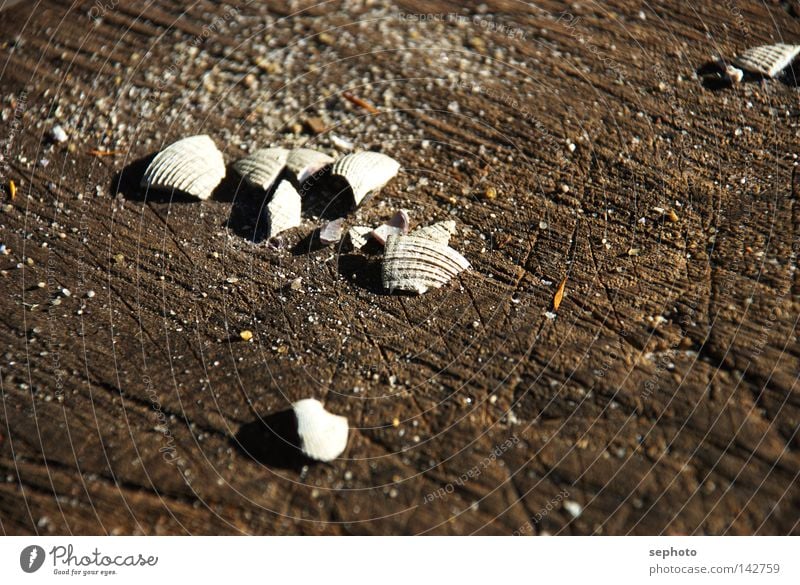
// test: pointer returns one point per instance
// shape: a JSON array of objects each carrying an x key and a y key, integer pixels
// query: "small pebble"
[
  {"x": 246, "y": 335},
  {"x": 58, "y": 134},
  {"x": 574, "y": 508}
]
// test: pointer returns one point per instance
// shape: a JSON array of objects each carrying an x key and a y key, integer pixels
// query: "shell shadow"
[
  {"x": 791, "y": 75},
  {"x": 272, "y": 440},
  {"x": 363, "y": 272},
  {"x": 326, "y": 197},
  {"x": 308, "y": 244},
  {"x": 247, "y": 217}
]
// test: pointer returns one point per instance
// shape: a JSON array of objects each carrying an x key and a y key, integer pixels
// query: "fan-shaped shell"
[
  {"x": 305, "y": 162},
  {"x": 365, "y": 172},
  {"x": 440, "y": 231},
  {"x": 263, "y": 167},
  {"x": 416, "y": 264},
  {"x": 767, "y": 60},
  {"x": 283, "y": 210},
  {"x": 192, "y": 165},
  {"x": 323, "y": 435}
]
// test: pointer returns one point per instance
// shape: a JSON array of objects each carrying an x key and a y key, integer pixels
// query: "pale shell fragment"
[
  {"x": 735, "y": 74},
  {"x": 305, "y": 162},
  {"x": 331, "y": 232},
  {"x": 416, "y": 264},
  {"x": 767, "y": 60},
  {"x": 323, "y": 435},
  {"x": 263, "y": 167},
  {"x": 358, "y": 235},
  {"x": 283, "y": 211},
  {"x": 365, "y": 172},
  {"x": 381, "y": 233},
  {"x": 398, "y": 225},
  {"x": 192, "y": 165},
  {"x": 441, "y": 231}
]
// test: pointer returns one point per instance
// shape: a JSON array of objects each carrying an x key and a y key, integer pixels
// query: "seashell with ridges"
[
  {"x": 416, "y": 264},
  {"x": 331, "y": 232},
  {"x": 305, "y": 162},
  {"x": 262, "y": 168},
  {"x": 398, "y": 225},
  {"x": 192, "y": 165},
  {"x": 323, "y": 435},
  {"x": 358, "y": 235},
  {"x": 441, "y": 231},
  {"x": 767, "y": 60},
  {"x": 365, "y": 172},
  {"x": 283, "y": 210}
]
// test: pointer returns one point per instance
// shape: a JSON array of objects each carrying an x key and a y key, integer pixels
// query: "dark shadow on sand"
[{"x": 272, "y": 441}]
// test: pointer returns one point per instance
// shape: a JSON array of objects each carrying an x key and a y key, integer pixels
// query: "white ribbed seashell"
[
  {"x": 441, "y": 231},
  {"x": 416, "y": 264},
  {"x": 192, "y": 165},
  {"x": 263, "y": 167},
  {"x": 283, "y": 210},
  {"x": 305, "y": 162},
  {"x": 358, "y": 235},
  {"x": 323, "y": 435},
  {"x": 767, "y": 60},
  {"x": 365, "y": 172}
]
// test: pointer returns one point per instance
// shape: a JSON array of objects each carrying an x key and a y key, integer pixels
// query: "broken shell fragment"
[
  {"x": 383, "y": 231},
  {"x": 734, "y": 74},
  {"x": 398, "y": 225},
  {"x": 358, "y": 235},
  {"x": 305, "y": 162},
  {"x": 283, "y": 211},
  {"x": 263, "y": 167},
  {"x": 365, "y": 172},
  {"x": 331, "y": 232},
  {"x": 768, "y": 60},
  {"x": 192, "y": 165},
  {"x": 323, "y": 435},
  {"x": 416, "y": 264},
  {"x": 441, "y": 231}
]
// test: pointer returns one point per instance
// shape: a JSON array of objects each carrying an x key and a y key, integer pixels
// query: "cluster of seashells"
[{"x": 414, "y": 261}]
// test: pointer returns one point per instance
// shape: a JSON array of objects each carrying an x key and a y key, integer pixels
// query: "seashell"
[
  {"x": 192, "y": 165},
  {"x": 767, "y": 60},
  {"x": 263, "y": 167},
  {"x": 365, "y": 172},
  {"x": 323, "y": 435},
  {"x": 440, "y": 231},
  {"x": 331, "y": 232},
  {"x": 396, "y": 226},
  {"x": 416, "y": 264},
  {"x": 358, "y": 235},
  {"x": 304, "y": 162},
  {"x": 283, "y": 210}
]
